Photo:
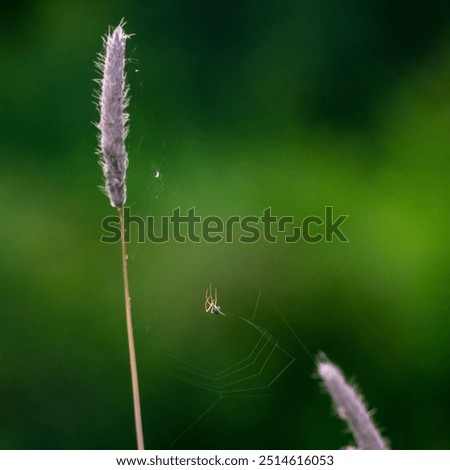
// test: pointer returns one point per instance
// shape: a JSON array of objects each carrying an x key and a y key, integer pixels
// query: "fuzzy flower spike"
[
  {"x": 113, "y": 101},
  {"x": 350, "y": 407}
]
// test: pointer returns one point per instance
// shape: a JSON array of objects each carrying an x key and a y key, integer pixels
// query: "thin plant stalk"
[
  {"x": 133, "y": 364},
  {"x": 113, "y": 100}
]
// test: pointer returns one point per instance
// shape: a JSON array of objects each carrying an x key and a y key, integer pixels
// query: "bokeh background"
[{"x": 240, "y": 105}]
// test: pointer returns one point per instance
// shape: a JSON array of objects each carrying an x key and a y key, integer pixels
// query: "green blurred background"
[{"x": 240, "y": 105}]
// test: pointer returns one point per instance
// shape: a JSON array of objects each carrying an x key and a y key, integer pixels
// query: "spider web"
[
  {"x": 243, "y": 376},
  {"x": 250, "y": 376}
]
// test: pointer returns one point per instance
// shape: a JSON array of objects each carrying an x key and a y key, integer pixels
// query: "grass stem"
[{"x": 133, "y": 364}]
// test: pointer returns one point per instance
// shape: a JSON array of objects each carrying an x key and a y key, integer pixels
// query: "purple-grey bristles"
[
  {"x": 113, "y": 129},
  {"x": 350, "y": 407}
]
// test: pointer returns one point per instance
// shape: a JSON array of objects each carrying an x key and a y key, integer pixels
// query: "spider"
[{"x": 211, "y": 302}]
